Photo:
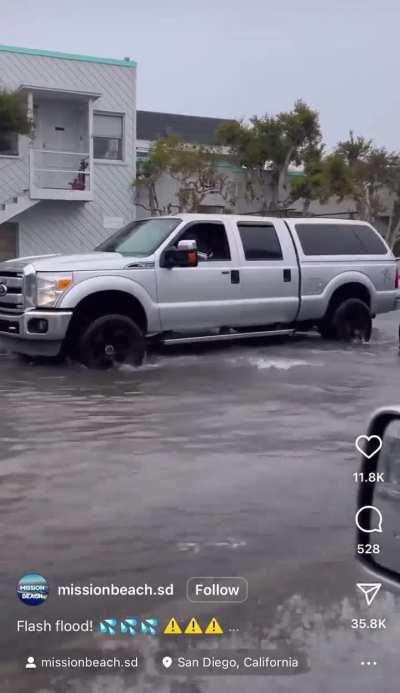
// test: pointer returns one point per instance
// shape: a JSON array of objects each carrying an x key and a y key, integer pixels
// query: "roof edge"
[
  {"x": 67, "y": 56},
  {"x": 185, "y": 115}
]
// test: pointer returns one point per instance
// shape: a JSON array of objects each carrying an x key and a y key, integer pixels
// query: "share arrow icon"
[{"x": 369, "y": 590}]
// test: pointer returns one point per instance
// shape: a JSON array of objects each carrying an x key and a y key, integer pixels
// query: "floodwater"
[{"x": 233, "y": 460}]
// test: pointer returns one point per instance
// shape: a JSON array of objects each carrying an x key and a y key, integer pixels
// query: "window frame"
[
  {"x": 268, "y": 224},
  {"x": 201, "y": 222},
  {"x": 123, "y": 142}
]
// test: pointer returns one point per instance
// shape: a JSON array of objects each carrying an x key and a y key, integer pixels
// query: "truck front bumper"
[{"x": 34, "y": 332}]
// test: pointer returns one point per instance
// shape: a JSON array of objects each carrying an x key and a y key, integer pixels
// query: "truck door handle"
[
  {"x": 235, "y": 276},
  {"x": 287, "y": 275}
]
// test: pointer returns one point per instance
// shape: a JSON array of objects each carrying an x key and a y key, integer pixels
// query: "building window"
[
  {"x": 108, "y": 136},
  {"x": 141, "y": 158},
  {"x": 142, "y": 155},
  {"x": 8, "y": 143}
]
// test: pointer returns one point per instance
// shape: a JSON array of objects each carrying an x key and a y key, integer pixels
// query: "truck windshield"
[{"x": 139, "y": 238}]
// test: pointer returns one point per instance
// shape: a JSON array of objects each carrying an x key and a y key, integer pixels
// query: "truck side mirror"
[
  {"x": 378, "y": 511},
  {"x": 185, "y": 255}
]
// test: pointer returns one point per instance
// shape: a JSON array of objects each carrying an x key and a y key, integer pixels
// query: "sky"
[{"x": 237, "y": 58}]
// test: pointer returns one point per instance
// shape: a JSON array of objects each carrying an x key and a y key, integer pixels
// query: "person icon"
[{"x": 30, "y": 663}]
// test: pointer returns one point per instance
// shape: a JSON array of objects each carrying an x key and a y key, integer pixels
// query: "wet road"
[{"x": 213, "y": 461}]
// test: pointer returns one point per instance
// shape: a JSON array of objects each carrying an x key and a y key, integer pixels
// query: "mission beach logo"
[{"x": 32, "y": 589}]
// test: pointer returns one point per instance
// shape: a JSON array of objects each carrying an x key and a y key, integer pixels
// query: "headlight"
[{"x": 51, "y": 286}]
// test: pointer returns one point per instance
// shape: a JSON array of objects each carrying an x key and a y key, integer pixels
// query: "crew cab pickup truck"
[{"x": 197, "y": 277}]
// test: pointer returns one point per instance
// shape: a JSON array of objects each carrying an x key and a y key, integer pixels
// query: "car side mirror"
[
  {"x": 378, "y": 511},
  {"x": 184, "y": 255}
]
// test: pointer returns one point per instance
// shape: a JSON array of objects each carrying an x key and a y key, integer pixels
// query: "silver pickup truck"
[{"x": 197, "y": 277}]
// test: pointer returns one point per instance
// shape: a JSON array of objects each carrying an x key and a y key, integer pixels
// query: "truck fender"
[
  {"x": 93, "y": 285},
  {"x": 348, "y": 278}
]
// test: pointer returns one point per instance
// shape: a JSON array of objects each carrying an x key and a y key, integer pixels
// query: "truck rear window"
[{"x": 339, "y": 239}]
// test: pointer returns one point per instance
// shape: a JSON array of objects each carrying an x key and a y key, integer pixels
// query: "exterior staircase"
[{"x": 15, "y": 205}]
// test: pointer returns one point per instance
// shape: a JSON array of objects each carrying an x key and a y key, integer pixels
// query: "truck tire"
[
  {"x": 347, "y": 321},
  {"x": 111, "y": 340}
]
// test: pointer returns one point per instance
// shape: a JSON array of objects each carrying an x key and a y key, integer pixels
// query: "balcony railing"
[{"x": 56, "y": 175}]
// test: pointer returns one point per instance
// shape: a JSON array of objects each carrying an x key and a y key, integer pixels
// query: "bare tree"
[{"x": 195, "y": 170}]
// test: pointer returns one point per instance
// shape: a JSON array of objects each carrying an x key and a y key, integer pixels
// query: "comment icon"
[{"x": 369, "y": 519}]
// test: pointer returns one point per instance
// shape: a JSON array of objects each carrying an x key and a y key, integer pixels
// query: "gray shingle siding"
[{"x": 59, "y": 226}]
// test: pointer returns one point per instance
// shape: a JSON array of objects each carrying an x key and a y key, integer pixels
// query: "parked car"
[{"x": 197, "y": 277}]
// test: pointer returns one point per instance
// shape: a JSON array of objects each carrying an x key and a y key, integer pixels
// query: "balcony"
[
  {"x": 61, "y": 151},
  {"x": 60, "y": 175}
]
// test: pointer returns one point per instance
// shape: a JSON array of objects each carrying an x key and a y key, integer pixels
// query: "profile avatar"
[{"x": 32, "y": 589}]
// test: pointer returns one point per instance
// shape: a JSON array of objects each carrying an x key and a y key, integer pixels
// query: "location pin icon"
[{"x": 167, "y": 662}]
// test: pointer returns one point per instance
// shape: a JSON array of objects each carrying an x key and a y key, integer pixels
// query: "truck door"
[
  {"x": 206, "y": 296},
  {"x": 269, "y": 272}
]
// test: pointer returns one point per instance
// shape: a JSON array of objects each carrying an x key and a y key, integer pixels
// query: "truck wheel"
[
  {"x": 111, "y": 340},
  {"x": 348, "y": 321}
]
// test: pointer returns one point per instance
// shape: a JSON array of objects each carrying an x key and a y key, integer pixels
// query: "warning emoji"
[
  {"x": 172, "y": 628},
  {"x": 214, "y": 628},
  {"x": 193, "y": 628}
]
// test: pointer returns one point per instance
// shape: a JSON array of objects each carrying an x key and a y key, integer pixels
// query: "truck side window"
[
  {"x": 212, "y": 241},
  {"x": 260, "y": 241},
  {"x": 339, "y": 239}
]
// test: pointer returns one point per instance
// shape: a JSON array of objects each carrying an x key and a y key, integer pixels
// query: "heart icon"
[
  {"x": 362, "y": 442},
  {"x": 167, "y": 662}
]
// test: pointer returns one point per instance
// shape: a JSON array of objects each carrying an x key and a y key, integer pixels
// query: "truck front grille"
[
  {"x": 11, "y": 292},
  {"x": 9, "y": 326}
]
